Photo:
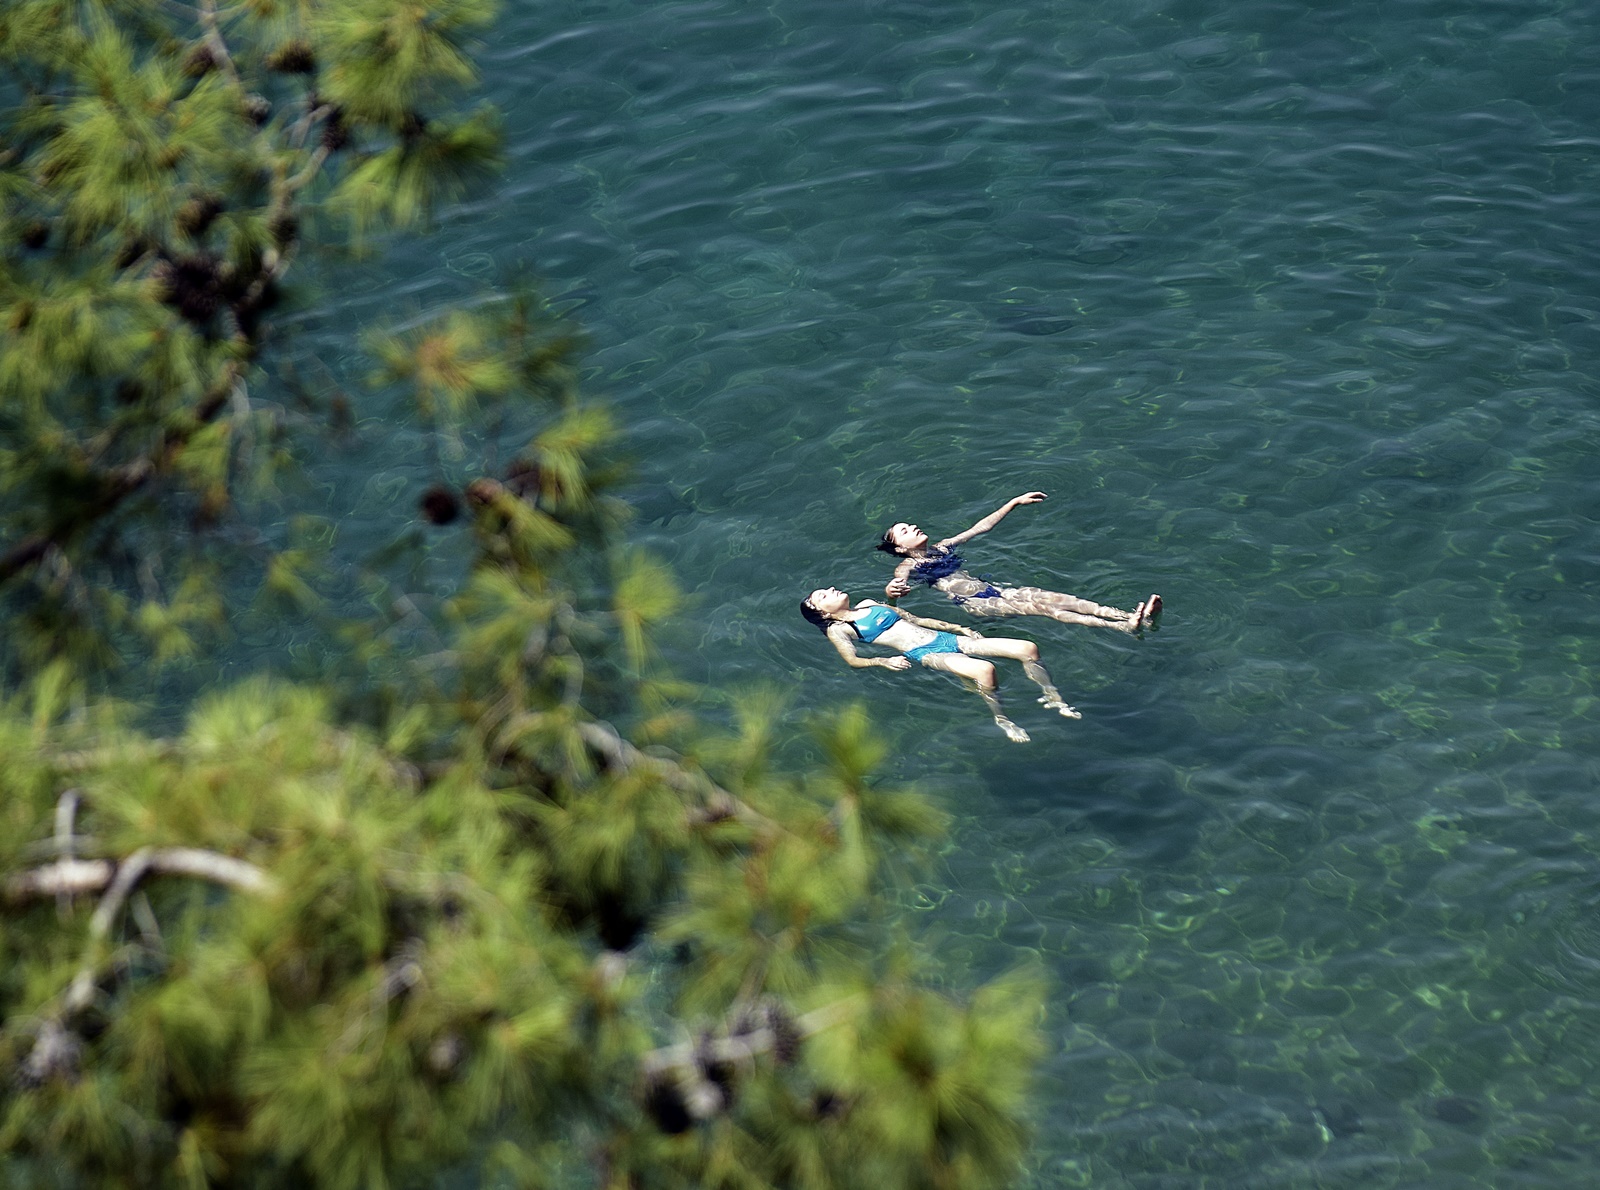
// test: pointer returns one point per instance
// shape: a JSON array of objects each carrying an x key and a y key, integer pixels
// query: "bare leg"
[
  {"x": 1026, "y": 652},
  {"x": 1013, "y": 733},
  {"x": 1052, "y": 700},
  {"x": 981, "y": 674},
  {"x": 1056, "y": 605}
]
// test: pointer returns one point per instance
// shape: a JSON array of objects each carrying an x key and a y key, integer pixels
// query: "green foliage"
[
  {"x": 449, "y": 366},
  {"x": 296, "y": 1026},
  {"x": 434, "y": 162},
  {"x": 385, "y": 57},
  {"x": 157, "y": 183},
  {"x": 490, "y": 896}
]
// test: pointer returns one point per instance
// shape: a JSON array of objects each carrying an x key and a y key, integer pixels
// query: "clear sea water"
[{"x": 1294, "y": 310}]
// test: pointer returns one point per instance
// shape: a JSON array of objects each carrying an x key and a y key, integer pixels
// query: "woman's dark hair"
[
  {"x": 813, "y": 616},
  {"x": 888, "y": 546}
]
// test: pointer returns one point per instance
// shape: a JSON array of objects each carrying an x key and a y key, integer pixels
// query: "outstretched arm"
[
  {"x": 994, "y": 518},
  {"x": 940, "y": 625},
  {"x": 840, "y": 637}
]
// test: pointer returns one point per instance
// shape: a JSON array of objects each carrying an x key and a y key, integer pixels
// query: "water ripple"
[{"x": 1293, "y": 311}]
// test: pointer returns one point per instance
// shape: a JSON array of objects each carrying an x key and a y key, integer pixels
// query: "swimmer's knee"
[
  {"x": 986, "y": 676},
  {"x": 1030, "y": 652}
]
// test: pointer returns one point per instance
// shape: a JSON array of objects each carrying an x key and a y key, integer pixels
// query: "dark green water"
[{"x": 1294, "y": 310}]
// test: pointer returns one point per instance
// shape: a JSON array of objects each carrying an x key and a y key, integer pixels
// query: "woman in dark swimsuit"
[
  {"x": 935, "y": 644},
  {"x": 938, "y": 565}
]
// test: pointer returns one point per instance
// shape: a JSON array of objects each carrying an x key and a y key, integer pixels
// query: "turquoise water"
[{"x": 1294, "y": 311}]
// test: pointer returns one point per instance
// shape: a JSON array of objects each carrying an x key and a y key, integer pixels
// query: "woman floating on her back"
[
  {"x": 934, "y": 643},
  {"x": 938, "y": 565}
]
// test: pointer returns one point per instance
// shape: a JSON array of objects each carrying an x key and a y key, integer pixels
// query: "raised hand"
[{"x": 1030, "y": 498}]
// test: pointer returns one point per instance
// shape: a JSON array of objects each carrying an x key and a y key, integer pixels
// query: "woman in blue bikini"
[
  {"x": 935, "y": 644},
  {"x": 938, "y": 565}
]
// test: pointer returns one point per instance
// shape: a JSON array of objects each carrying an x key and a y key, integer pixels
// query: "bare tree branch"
[
  {"x": 66, "y": 811},
  {"x": 65, "y": 876},
  {"x": 309, "y": 172},
  {"x": 719, "y": 803},
  {"x": 687, "y": 1067},
  {"x": 214, "y": 42},
  {"x": 56, "y": 1047},
  {"x": 741, "y": 1046},
  {"x": 73, "y": 876},
  {"x": 129, "y": 872}
]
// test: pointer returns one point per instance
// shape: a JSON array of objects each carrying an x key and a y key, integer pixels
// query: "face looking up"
[
  {"x": 830, "y": 601},
  {"x": 907, "y": 537}
]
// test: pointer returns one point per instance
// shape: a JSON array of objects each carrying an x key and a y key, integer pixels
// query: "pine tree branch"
[
  {"x": 64, "y": 844},
  {"x": 75, "y": 876},
  {"x": 686, "y": 1068},
  {"x": 117, "y": 484},
  {"x": 56, "y": 1047},
  {"x": 66, "y": 812},
  {"x": 302, "y": 126},
  {"x": 719, "y": 803},
  {"x": 307, "y": 175},
  {"x": 275, "y": 263},
  {"x": 120, "y": 483},
  {"x": 214, "y": 42},
  {"x": 409, "y": 775},
  {"x": 93, "y": 758},
  {"x": 65, "y": 877},
  {"x": 741, "y": 1045}
]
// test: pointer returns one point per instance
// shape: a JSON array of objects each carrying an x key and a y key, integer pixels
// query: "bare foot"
[
  {"x": 1146, "y": 611},
  {"x": 1055, "y": 704},
  {"x": 1013, "y": 733}
]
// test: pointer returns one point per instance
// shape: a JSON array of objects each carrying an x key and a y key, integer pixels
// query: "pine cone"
[
  {"x": 285, "y": 229},
  {"x": 292, "y": 57},
  {"x": 719, "y": 1074},
  {"x": 257, "y": 109},
  {"x": 198, "y": 214},
  {"x": 199, "y": 61},
  {"x": 439, "y": 505},
  {"x": 664, "y": 1104},
  {"x": 786, "y": 1036},
  {"x": 191, "y": 285},
  {"x": 335, "y": 132}
]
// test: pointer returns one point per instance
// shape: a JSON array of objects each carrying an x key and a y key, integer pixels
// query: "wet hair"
[
  {"x": 888, "y": 546},
  {"x": 813, "y": 616}
]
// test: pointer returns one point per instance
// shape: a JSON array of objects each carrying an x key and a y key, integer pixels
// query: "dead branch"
[
  {"x": 65, "y": 876},
  {"x": 73, "y": 876},
  {"x": 214, "y": 42},
  {"x": 66, "y": 811},
  {"x": 56, "y": 1047},
  {"x": 741, "y": 1045},
  {"x": 719, "y": 803},
  {"x": 687, "y": 1068}
]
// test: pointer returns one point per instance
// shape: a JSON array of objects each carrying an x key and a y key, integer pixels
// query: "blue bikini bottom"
[
  {"x": 990, "y": 591},
  {"x": 942, "y": 642}
]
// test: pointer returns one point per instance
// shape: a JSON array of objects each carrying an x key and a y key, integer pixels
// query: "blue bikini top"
[
  {"x": 940, "y": 565},
  {"x": 878, "y": 620}
]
